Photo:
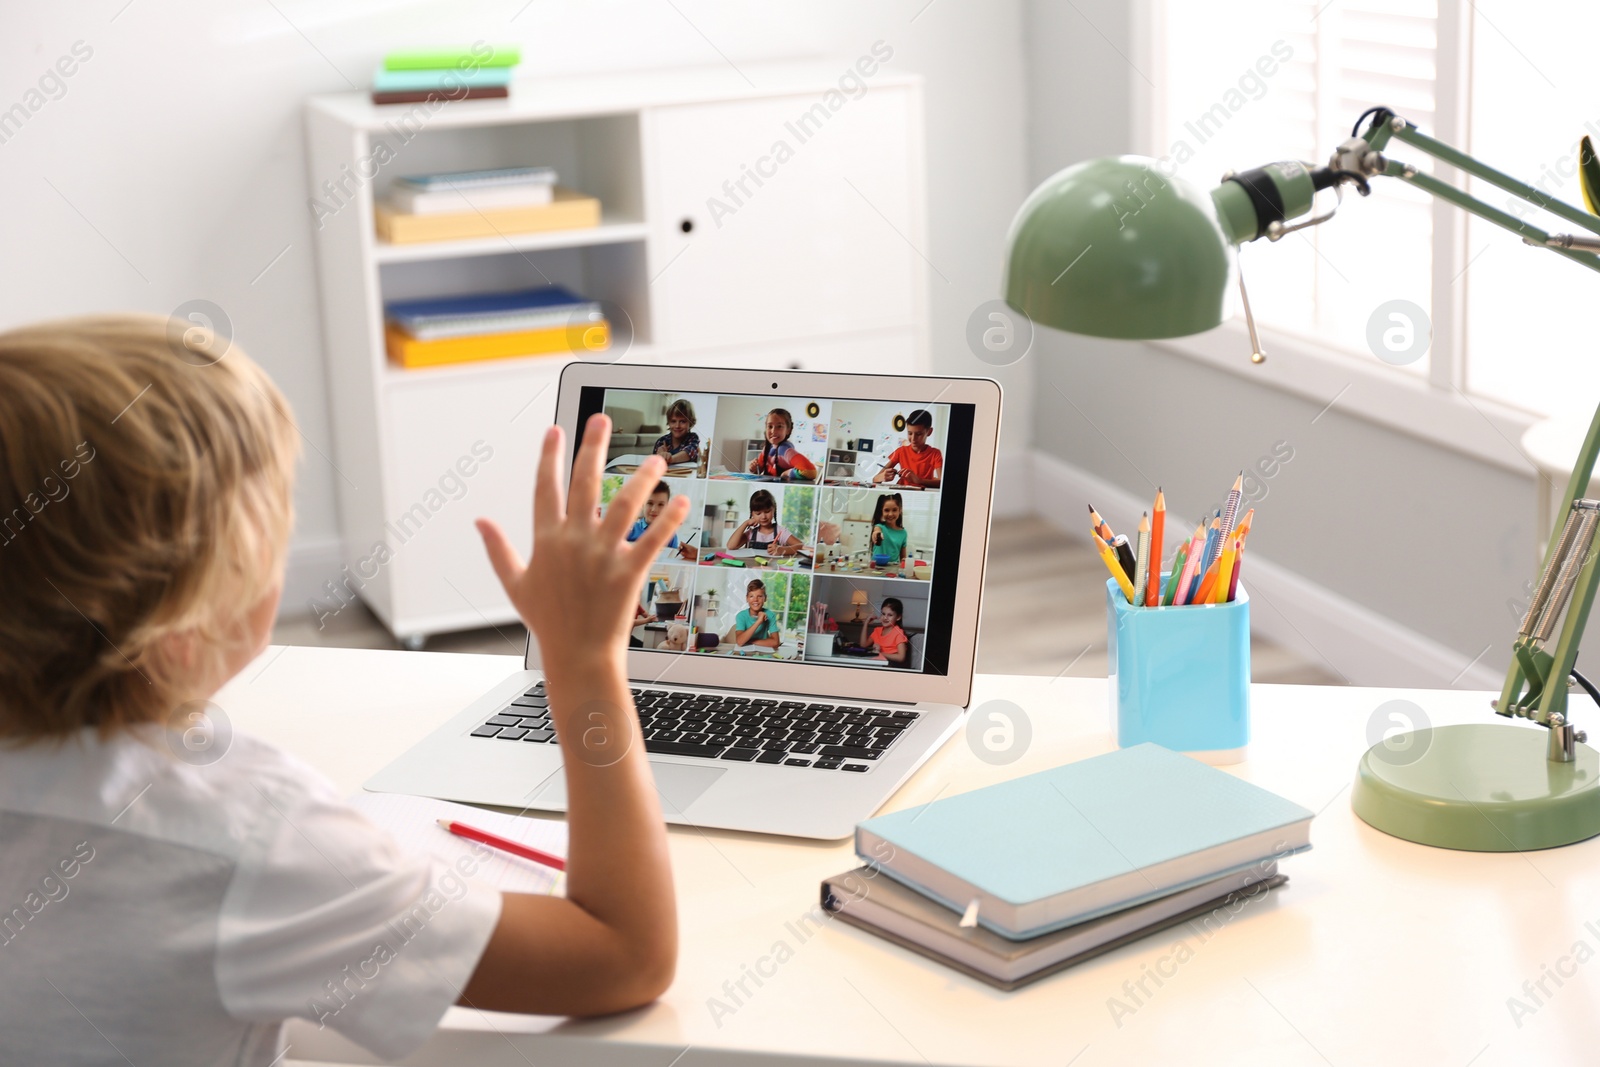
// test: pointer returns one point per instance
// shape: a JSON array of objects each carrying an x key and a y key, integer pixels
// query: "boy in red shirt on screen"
[{"x": 917, "y": 463}]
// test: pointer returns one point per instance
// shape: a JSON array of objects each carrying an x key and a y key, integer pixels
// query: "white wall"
[
  {"x": 1380, "y": 524},
  {"x": 172, "y": 166}
]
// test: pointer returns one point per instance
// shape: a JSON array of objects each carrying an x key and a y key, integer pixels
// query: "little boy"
[
  {"x": 680, "y": 444},
  {"x": 161, "y": 909},
  {"x": 653, "y": 508},
  {"x": 918, "y": 462}
]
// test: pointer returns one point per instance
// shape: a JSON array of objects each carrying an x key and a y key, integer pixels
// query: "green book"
[{"x": 498, "y": 55}]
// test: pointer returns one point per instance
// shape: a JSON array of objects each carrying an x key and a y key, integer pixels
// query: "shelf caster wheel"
[{"x": 414, "y": 642}]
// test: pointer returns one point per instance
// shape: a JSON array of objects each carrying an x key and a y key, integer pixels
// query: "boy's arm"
[{"x": 612, "y": 944}]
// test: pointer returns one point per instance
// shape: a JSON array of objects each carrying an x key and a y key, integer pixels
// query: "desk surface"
[{"x": 1377, "y": 951}]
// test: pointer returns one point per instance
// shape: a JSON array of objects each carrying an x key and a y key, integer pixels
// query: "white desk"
[{"x": 1378, "y": 951}]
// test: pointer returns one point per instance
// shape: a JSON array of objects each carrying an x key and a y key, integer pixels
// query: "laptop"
[{"x": 807, "y": 642}]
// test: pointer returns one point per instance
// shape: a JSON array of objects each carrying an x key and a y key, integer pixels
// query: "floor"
[{"x": 1043, "y": 613}]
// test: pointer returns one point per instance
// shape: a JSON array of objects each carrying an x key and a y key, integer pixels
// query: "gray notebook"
[{"x": 907, "y": 918}]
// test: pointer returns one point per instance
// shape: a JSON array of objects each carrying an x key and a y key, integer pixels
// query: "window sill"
[{"x": 1482, "y": 429}]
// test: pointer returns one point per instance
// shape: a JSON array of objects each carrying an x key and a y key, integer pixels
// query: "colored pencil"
[
  {"x": 1115, "y": 567},
  {"x": 1141, "y": 560},
  {"x": 1208, "y": 584},
  {"x": 1238, "y": 562},
  {"x": 1158, "y": 525},
  {"x": 472, "y": 833},
  {"x": 1191, "y": 565},
  {"x": 1124, "y": 553},
  {"x": 1225, "y": 570},
  {"x": 1101, "y": 527},
  {"x": 1178, "y": 562}
]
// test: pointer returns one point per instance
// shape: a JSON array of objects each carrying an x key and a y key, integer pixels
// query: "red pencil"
[
  {"x": 484, "y": 837},
  {"x": 1158, "y": 525}
]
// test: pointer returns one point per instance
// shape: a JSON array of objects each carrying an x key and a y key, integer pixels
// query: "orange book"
[
  {"x": 407, "y": 351},
  {"x": 570, "y": 210}
]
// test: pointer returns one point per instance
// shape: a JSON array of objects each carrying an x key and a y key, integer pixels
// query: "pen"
[
  {"x": 1124, "y": 553},
  {"x": 484, "y": 837}
]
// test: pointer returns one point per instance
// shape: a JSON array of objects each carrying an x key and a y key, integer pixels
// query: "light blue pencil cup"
[{"x": 1180, "y": 676}]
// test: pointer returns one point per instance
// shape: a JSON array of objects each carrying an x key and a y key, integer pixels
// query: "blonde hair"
[{"x": 146, "y": 472}]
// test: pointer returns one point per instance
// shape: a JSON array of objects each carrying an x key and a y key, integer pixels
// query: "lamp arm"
[{"x": 1537, "y": 681}]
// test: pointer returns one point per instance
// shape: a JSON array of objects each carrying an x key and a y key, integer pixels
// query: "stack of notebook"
[
  {"x": 458, "y": 205},
  {"x": 462, "y": 329},
  {"x": 426, "y": 75},
  {"x": 1019, "y": 880}
]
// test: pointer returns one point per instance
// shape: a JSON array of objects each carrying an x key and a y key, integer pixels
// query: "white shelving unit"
[{"x": 816, "y": 265}]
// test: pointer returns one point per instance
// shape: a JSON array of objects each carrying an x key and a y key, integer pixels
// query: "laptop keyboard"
[{"x": 742, "y": 729}]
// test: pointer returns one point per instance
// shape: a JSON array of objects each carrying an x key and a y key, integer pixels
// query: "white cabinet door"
[
  {"x": 779, "y": 218},
  {"x": 461, "y": 447}
]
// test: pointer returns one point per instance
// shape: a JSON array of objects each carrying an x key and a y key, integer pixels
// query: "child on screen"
[
  {"x": 212, "y": 899},
  {"x": 762, "y": 530},
  {"x": 884, "y": 633},
  {"x": 679, "y": 444},
  {"x": 918, "y": 462},
  {"x": 888, "y": 529},
  {"x": 779, "y": 457},
  {"x": 753, "y": 625}
]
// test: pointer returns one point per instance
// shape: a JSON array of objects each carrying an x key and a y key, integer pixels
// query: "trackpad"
[{"x": 677, "y": 785}]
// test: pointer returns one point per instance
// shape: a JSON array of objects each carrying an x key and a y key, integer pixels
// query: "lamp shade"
[
  {"x": 859, "y": 597},
  {"x": 1116, "y": 248}
]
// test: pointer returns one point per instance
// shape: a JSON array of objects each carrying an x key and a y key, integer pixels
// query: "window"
[{"x": 1238, "y": 83}]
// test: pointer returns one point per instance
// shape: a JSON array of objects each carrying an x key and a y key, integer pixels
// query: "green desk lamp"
[{"x": 1122, "y": 248}]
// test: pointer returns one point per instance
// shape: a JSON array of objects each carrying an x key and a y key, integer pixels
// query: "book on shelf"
[
  {"x": 409, "y": 81},
  {"x": 427, "y": 96},
  {"x": 1083, "y": 840},
  {"x": 478, "y": 179},
  {"x": 431, "y": 318},
  {"x": 405, "y": 200},
  {"x": 567, "y": 210},
  {"x": 463, "y": 58},
  {"x": 410, "y": 352},
  {"x": 904, "y": 917}
]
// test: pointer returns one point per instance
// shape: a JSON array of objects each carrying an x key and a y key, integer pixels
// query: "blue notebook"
[
  {"x": 1076, "y": 842},
  {"x": 545, "y": 298},
  {"x": 403, "y": 81}
]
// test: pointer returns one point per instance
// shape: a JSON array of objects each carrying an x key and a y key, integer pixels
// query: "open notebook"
[{"x": 414, "y": 823}]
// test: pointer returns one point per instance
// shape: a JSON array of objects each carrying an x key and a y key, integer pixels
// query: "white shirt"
[{"x": 152, "y": 911}]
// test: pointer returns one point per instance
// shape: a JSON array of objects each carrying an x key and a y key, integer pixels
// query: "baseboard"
[
  {"x": 312, "y": 561},
  {"x": 1360, "y": 644}
]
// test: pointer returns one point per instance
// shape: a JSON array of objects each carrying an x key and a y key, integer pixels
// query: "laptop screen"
[{"x": 821, "y": 530}]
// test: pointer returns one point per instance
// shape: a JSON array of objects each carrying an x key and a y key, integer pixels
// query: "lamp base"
[{"x": 1483, "y": 787}]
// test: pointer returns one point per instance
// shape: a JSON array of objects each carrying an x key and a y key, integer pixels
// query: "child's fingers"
[
  {"x": 505, "y": 560},
  {"x": 658, "y": 533},
  {"x": 584, "y": 492},
  {"x": 627, "y": 502},
  {"x": 549, "y": 503}
]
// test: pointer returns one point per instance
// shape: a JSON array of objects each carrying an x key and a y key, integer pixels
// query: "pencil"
[
  {"x": 472, "y": 833},
  {"x": 1208, "y": 584},
  {"x": 1225, "y": 564},
  {"x": 1158, "y": 525},
  {"x": 1141, "y": 560},
  {"x": 1124, "y": 553},
  {"x": 1238, "y": 562},
  {"x": 1115, "y": 567},
  {"x": 1101, "y": 527},
  {"x": 1178, "y": 564},
  {"x": 1191, "y": 565},
  {"x": 1213, "y": 536},
  {"x": 1230, "y": 510}
]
